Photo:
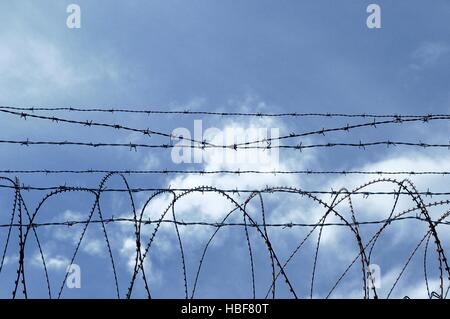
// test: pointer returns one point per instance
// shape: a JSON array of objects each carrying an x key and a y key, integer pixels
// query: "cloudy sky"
[{"x": 234, "y": 56}]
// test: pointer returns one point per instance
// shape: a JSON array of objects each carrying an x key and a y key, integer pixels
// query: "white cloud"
[
  {"x": 128, "y": 252},
  {"x": 91, "y": 244},
  {"x": 414, "y": 289},
  {"x": 53, "y": 262},
  {"x": 213, "y": 207},
  {"x": 10, "y": 260},
  {"x": 61, "y": 234},
  {"x": 208, "y": 206},
  {"x": 94, "y": 247},
  {"x": 218, "y": 159},
  {"x": 34, "y": 67},
  {"x": 150, "y": 162},
  {"x": 428, "y": 54},
  {"x": 375, "y": 207}
]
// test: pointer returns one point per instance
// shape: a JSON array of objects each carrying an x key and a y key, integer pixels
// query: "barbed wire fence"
[{"x": 334, "y": 204}]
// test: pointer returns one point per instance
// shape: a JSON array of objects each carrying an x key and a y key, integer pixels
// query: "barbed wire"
[
  {"x": 208, "y": 189},
  {"x": 286, "y": 225},
  {"x": 214, "y": 172},
  {"x": 90, "y": 123},
  {"x": 245, "y": 209},
  {"x": 298, "y": 147},
  {"x": 266, "y": 141},
  {"x": 233, "y": 114},
  {"x": 279, "y": 268}
]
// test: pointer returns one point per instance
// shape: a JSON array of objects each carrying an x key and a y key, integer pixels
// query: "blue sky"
[{"x": 268, "y": 56}]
